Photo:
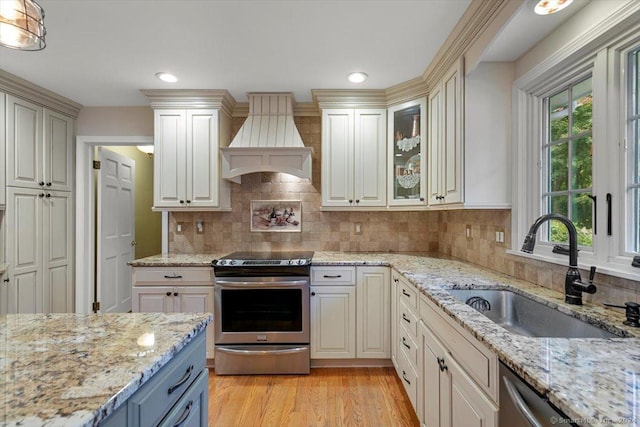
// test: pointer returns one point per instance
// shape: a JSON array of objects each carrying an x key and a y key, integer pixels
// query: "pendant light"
[{"x": 22, "y": 25}]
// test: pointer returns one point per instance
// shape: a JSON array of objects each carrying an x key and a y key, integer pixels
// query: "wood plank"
[{"x": 327, "y": 397}]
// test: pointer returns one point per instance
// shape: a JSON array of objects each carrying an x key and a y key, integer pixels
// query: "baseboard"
[{"x": 350, "y": 363}]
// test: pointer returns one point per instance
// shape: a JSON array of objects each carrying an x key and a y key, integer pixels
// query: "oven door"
[{"x": 259, "y": 310}]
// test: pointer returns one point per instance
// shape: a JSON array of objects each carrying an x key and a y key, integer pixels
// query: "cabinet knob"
[
  {"x": 6, "y": 280},
  {"x": 350, "y": 201},
  {"x": 357, "y": 201},
  {"x": 441, "y": 364},
  {"x": 313, "y": 294},
  {"x": 41, "y": 183},
  {"x": 181, "y": 202},
  {"x": 175, "y": 294},
  {"x": 188, "y": 201},
  {"x": 168, "y": 294},
  {"x": 41, "y": 195},
  {"x": 422, "y": 199},
  {"x": 47, "y": 195},
  {"x": 48, "y": 184}
]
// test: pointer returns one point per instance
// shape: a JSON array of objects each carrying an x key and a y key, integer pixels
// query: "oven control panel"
[{"x": 259, "y": 262}]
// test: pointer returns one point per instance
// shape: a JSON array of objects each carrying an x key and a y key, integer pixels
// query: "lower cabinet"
[
  {"x": 350, "y": 312},
  {"x": 459, "y": 376},
  {"x": 175, "y": 290},
  {"x": 176, "y": 395}
]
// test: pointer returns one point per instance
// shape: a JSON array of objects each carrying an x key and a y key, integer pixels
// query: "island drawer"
[
  {"x": 332, "y": 276},
  {"x": 192, "y": 408},
  {"x": 150, "y": 404},
  {"x": 149, "y": 276}
]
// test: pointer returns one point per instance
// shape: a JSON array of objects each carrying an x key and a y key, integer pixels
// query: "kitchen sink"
[{"x": 524, "y": 316}]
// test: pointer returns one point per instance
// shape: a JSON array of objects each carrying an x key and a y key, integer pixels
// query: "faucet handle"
[{"x": 592, "y": 273}]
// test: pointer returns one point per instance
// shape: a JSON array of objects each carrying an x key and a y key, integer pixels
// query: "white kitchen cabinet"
[
  {"x": 373, "y": 312},
  {"x": 446, "y": 139},
  {"x": 407, "y": 154},
  {"x": 395, "y": 280},
  {"x": 39, "y": 146},
  {"x": 353, "y": 158},
  {"x": 451, "y": 398},
  {"x": 459, "y": 374},
  {"x": 39, "y": 250},
  {"x": 332, "y": 311},
  {"x": 407, "y": 350},
  {"x": 186, "y": 161},
  {"x": 3, "y": 163},
  {"x": 175, "y": 290}
]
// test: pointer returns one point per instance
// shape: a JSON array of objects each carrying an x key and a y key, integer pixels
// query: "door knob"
[{"x": 133, "y": 243}]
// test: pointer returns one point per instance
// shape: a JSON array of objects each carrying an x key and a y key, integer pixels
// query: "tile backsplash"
[{"x": 442, "y": 232}]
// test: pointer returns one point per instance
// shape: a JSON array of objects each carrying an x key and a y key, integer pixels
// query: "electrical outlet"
[
  {"x": 468, "y": 231},
  {"x": 179, "y": 228},
  {"x": 200, "y": 227},
  {"x": 357, "y": 229},
  {"x": 499, "y": 235}
]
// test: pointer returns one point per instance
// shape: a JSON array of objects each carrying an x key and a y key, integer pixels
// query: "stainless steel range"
[{"x": 262, "y": 313}]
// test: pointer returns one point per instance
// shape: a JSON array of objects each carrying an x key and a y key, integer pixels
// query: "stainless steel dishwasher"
[{"x": 521, "y": 406}]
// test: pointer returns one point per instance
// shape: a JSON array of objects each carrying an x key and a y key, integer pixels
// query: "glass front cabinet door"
[{"x": 408, "y": 148}]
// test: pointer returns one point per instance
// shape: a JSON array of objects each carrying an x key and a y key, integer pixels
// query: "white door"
[
  {"x": 116, "y": 231},
  {"x": 57, "y": 255}
]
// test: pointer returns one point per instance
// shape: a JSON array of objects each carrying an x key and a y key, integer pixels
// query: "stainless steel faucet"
[{"x": 573, "y": 284}]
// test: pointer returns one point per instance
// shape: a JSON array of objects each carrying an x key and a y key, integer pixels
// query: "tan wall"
[
  {"x": 115, "y": 121},
  {"x": 148, "y": 224}
]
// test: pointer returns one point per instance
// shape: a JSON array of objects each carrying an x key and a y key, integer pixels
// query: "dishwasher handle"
[{"x": 519, "y": 402}]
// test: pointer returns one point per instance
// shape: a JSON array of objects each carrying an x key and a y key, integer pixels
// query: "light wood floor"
[{"x": 328, "y": 397}]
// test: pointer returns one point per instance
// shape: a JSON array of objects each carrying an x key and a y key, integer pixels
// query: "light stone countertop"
[
  {"x": 594, "y": 381},
  {"x": 76, "y": 369}
]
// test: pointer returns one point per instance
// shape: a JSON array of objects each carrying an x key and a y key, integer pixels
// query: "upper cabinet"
[
  {"x": 446, "y": 139},
  {"x": 407, "y": 154},
  {"x": 354, "y": 158},
  {"x": 39, "y": 154},
  {"x": 186, "y": 153}
]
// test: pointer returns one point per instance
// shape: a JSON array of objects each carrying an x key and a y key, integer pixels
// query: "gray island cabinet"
[{"x": 126, "y": 369}]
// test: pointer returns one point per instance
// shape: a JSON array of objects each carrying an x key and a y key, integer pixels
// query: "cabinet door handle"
[
  {"x": 188, "y": 201},
  {"x": 172, "y": 276},
  {"x": 405, "y": 378},
  {"x": 332, "y": 276},
  {"x": 404, "y": 317},
  {"x": 182, "y": 380},
  {"x": 6, "y": 280},
  {"x": 185, "y": 414},
  {"x": 405, "y": 293},
  {"x": 441, "y": 364},
  {"x": 404, "y": 343}
]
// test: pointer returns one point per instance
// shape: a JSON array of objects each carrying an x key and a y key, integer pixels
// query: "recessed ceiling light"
[
  {"x": 547, "y": 7},
  {"x": 357, "y": 77},
  {"x": 167, "y": 77}
]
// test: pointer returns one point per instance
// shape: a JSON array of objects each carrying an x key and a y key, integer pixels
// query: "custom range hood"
[{"x": 268, "y": 141}]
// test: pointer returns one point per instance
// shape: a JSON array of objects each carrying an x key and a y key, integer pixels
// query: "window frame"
[{"x": 603, "y": 54}]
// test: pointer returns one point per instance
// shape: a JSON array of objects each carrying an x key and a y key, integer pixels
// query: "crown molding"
[
  {"x": 349, "y": 98},
  {"x": 219, "y": 99},
  {"x": 406, "y": 91},
  {"x": 474, "y": 21},
  {"x": 14, "y": 85}
]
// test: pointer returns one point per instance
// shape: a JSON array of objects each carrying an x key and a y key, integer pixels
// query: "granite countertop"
[
  {"x": 76, "y": 369},
  {"x": 3, "y": 268},
  {"x": 594, "y": 381}
]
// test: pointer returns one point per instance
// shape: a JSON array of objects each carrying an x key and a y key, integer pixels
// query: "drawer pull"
[
  {"x": 182, "y": 380},
  {"x": 330, "y": 276},
  {"x": 404, "y": 317},
  {"x": 185, "y": 414},
  {"x": 404, "y": 343},
  {"x": 405, "y": 378},
  {"x": 441, "y": 364},
  {"x": 172, "y": 276},
  {"x": 405, "y": 293}
]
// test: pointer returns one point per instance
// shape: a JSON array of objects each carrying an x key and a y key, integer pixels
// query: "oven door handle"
[
  {"x": 266, "y": 284},
  {"x": 262, "y": 352}
]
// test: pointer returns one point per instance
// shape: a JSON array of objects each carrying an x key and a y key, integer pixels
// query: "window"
[
  {"x": 568, "y": 160},
  {"x": 633, "y": 153},
  {"x": 577, "y": 145}
]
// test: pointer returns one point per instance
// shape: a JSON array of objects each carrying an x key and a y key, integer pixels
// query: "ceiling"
[{"x": 102, "y": 52}]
